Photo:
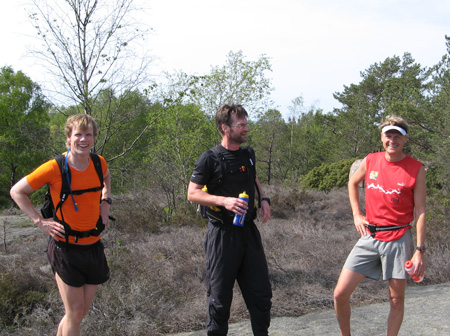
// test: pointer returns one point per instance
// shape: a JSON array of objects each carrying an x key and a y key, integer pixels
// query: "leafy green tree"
[
  {"x": 125, "y": 134},
  {"x": 288, "y": 150},
  {"x": 396, "y": 86},
  {"x": 237, "y": 81},
  {"x": 267, "y": 139},
  {"x": 312, "y": 144},
  {"x": 438, "y": 122},
  {"x": 23, "y": 128},
  {"x": 291, "y": 155},
  {"x": 177, "y": 142}
]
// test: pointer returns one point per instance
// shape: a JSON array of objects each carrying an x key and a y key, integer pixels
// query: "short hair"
[
  {"x": 223, "y": 115},
  {"x": 394, "y": 121},
  {"x": 81, "y": 121}
]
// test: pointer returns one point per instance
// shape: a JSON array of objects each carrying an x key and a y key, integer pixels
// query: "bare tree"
[
  {"x": 90, "y": 45},
  {"x": 94, "y": 49}
]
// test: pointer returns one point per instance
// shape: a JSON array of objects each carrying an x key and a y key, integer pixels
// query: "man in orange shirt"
[{"x": 76, "y": 256}]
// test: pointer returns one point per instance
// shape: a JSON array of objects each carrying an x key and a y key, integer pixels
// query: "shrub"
[
  {"x": 144, "y": 211},
  {"x": 18, "y": 297},
  {"x": 328, "y": 176}
]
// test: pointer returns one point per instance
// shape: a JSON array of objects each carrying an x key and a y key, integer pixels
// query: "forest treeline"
[{"x": 152, "y": 137}]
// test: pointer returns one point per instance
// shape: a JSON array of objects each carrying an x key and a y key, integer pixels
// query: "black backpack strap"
[
  {"x": 64, "y": 193},
  {"x": 252, "y": 158},
  {"x": 221, "y": 159},
  {"x": 49, "y": 208},
  {"x": 98, "y": 166}
]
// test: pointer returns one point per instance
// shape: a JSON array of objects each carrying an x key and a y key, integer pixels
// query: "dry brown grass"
[{"x": 157, "y": 267}]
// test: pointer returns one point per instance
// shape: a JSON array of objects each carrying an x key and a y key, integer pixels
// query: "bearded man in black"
[{"x": 232, "y": 252}]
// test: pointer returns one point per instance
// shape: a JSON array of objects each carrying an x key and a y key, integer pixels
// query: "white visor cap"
[{"x": 392, "y": 127}]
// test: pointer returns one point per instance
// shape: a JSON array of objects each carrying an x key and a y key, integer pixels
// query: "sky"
[{"x": 316, "y": 47}]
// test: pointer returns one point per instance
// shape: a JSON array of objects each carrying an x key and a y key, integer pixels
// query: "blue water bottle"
[{"x": 239, "y": 219}]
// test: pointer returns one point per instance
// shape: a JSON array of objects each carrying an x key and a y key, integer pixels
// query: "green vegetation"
[
  {"x": 328, "y": 176},
  {"x": 19, "y": 295}
]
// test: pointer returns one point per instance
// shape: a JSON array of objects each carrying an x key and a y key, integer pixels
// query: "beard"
[{"x": 238, "y": 138}]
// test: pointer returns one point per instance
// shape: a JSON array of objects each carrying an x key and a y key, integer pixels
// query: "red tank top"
[{"x": 389, "y": 193}]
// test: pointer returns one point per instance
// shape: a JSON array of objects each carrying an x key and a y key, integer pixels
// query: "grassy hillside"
[{"x": 157, "y": 267}]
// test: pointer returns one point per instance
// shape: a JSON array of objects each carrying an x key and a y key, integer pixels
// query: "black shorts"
[{"x": 78, "y": 265}]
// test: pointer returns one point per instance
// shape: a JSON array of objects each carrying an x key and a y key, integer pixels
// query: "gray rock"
[{"x": 426, "y": 314}]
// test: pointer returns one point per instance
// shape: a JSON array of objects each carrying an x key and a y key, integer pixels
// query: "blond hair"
[
  {"x": 81, "y": 121},
  {"x": 394, "y": 121}
]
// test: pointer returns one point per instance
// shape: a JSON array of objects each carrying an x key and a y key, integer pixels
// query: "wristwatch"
[
  {"x": 421, "y": 248},
  {"x": 266, "y": 199},
  {"x": 107, "y": 200}
]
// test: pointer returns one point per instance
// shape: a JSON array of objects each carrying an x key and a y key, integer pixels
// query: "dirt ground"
[{"x": 14, "y": 227}]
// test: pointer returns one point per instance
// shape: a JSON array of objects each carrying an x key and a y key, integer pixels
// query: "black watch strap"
[
  {"x": 266, "y": 199},
  {"x": 107, "y": 200},
  {"x": 421, "y": 248}
]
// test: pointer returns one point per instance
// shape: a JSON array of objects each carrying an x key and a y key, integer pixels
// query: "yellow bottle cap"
[{"x": 243, "y": 194}]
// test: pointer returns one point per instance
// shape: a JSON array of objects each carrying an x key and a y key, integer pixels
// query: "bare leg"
[
  {"x": 348, "y": 280},
  {"x": 77, "y": 301},
  {"x": 397, "y": 299}
]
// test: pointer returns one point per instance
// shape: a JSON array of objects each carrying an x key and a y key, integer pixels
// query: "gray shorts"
[{"x": 372, "y": 257}]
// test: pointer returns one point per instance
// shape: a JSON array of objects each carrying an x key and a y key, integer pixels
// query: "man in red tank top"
[{"x": 395, "y": 198}]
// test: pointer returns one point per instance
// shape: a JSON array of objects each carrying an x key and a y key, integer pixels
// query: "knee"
[
  {"x": 77, "y": 314},
  {"x": 75, "y": 317},
  {"x": 341, "y": 296},
  {"x": 86, "y": 311},
  {"x": 258, "y": 304},
  {"x": 219, "y": 309},
  {"x": 397, "y": 302}
]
